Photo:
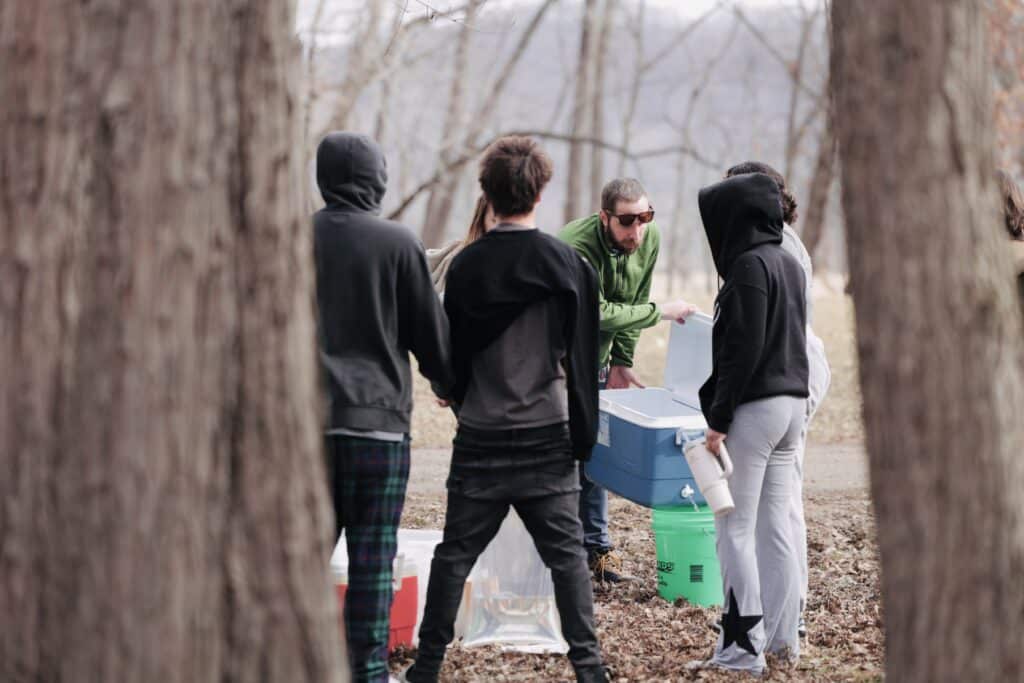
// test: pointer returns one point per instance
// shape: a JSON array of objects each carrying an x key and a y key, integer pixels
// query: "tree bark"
[
  {"x": 821, "y": 184},
  {"x": 578, "y": 122},
  {"x": 938, "y": 335},
  {"x": 163, "y": 515}
]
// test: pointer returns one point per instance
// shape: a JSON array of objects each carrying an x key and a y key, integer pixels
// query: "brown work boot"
[{"x": 606, "y": 566}]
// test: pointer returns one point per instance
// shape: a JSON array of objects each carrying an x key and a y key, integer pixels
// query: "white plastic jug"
[{"x": 711, "y": 472}]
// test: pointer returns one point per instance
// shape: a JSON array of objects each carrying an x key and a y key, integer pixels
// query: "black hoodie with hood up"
[
  {"x": 375, "y": 300},
  {"x": 759, "y": 345}
]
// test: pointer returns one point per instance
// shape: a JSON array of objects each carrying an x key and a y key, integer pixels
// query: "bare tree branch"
[
  {"x": 471, "y": 154},
  {"x": 796, "y": 73},
  {"x": 645, "y": 65},
  {"x": 774, "y": 51},
  {"x": 482, "y": 117},
  {"x": 679, "y": 38}
]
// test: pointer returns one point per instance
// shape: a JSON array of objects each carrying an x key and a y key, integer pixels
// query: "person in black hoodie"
[
  {"x": 376, "y": 303},
  {"x": 755, "y": 401},
  {"x": 523, "y": 310}
]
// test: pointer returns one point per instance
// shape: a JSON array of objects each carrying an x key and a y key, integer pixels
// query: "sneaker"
[
  {"x": 607, "y": 567},
  {"x": 710, "y": 665},
  {"x": 701, "y": 665},
  {"x": 801, "y": 627}
]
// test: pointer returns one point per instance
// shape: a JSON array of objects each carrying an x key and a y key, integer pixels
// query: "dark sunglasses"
[{"x": 626, "y": 219}]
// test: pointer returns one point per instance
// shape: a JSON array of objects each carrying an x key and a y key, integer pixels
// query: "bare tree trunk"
[
  {"x": 796, "y": 75},
  {"x": 380, "y": 126},
  {"x": 601, "y": 46},
  {"x": 636, "y": 82},
  {"x": 577, "y": 125},
  {"x": 821, "y": 184},
  {"x": 163, "y": 515},
  {"x": 440, "y": 200},
  {"x": 676, "y": 250},
  {"x": 938, "y": 335},
  {"x": 359, "y": 65}
]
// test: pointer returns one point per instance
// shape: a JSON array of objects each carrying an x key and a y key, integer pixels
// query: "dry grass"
[{"x": 839, "y": 418}]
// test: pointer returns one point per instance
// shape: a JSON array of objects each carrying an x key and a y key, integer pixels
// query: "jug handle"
[{"x": 723, "y": 455}]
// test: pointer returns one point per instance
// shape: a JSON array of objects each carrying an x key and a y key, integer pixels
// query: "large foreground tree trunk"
[
  {"x": 162, "y": 511},
  {"x": 938, "y": 335}
]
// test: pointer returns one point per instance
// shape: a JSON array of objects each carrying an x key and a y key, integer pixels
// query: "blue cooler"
[{"x": 641, "y": 431}]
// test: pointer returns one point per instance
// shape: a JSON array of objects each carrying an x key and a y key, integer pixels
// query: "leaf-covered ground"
[{"x": 645, "y": 638}]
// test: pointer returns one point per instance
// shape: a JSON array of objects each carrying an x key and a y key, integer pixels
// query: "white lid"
[
  {"x": 402, "y": 567},
  {"x": 652, "y": 408},
  {"x": 687, "y": 367},
  {"x": 688, "y": 362}
]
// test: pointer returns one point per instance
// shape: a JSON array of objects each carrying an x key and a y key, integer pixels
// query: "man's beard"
[{"x": 625, "y": 249}]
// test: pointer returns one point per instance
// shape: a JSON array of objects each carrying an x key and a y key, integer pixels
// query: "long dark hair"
[
  {"x": 478, "y": 226},
  {"x": 789, "y": 214}
]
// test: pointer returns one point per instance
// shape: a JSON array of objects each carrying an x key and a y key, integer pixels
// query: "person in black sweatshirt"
[
  {"x": 755, "y": 401},
  {"x": 523, "y": 309},
  {"x": 376, "y": 303}
]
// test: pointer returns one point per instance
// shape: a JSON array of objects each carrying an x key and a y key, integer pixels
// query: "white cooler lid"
[
  {"x": 404, "y": 565},
  {"x": 651, "y": 408},
  {"x": 688, "y": 362},
  {"x": 677, "y": 405}
]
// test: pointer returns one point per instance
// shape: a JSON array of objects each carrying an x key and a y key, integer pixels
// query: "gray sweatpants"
[
  {"x": 818, "y": 381},
  {"x": 755, "y": 542}
]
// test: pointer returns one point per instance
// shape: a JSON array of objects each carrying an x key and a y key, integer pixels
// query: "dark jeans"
[
  {"x": 594, "y": 504},
  {"x": 593, "y": 511},
  {"x": 367, "y": 479},
  {"x": 546, "y": 499}
]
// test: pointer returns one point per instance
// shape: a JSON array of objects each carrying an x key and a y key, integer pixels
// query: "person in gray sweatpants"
[
  {"x": 755, "y": 401},
  {"x": 819, "y": 373}
]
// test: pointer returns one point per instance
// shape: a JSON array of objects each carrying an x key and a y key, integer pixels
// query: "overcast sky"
[{"x": 336, "y": 9}]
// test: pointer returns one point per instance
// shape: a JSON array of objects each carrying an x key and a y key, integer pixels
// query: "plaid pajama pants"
[{"x": 367, "y": 479}]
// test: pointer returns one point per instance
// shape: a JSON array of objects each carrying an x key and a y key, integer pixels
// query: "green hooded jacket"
[{"x": 624, "y": 282}]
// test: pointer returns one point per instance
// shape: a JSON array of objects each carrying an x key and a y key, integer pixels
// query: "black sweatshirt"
[
  {"x": 758, "y": 343},
  {"x": 494, "y": 279},
  {"x": 375, "y": 300}
]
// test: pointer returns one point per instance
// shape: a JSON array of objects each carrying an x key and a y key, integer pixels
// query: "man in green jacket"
[{"x": 621, "y": 243}]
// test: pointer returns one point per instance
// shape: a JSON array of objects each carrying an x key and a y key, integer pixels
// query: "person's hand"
[
  {"x": 676, "y": 310},
  {"x": 621, "y": 377},
  {"x": 713, "y": 440}
]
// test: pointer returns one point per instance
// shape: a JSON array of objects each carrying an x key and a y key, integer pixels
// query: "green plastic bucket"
[{"x": 687, "y": 563}]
